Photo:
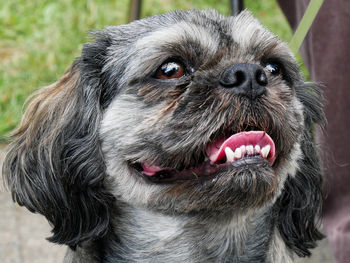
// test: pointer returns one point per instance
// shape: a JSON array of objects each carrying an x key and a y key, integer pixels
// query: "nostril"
[
  {"x": 261, "y": 78},
  {"x": 233, "y": 78},
  {"x": 239, "y": 78}
]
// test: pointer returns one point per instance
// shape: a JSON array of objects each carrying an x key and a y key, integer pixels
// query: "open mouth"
[{"x": 244, "y": 148}]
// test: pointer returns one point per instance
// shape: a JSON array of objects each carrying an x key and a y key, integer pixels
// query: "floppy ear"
[
  {"x": 301, "y": 200},
  {"x": 54, "y": 165}
]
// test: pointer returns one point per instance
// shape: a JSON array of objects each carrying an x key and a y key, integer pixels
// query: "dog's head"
[{"x": 185, "y": 113}]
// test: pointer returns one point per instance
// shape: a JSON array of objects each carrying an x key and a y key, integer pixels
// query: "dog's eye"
[
  {"x": 170, "y": 70},
  {"x": 273, "y": 68}
]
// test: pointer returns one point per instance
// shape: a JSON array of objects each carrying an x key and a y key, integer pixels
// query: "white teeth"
[
  {"x": 229, "y": 154},
  {"x": 257, "y": 148},
  {"x": 238, "y": 153},
  {"x": 250, "y": 149},
  {"x": 265, "y": 151},
  {"x": 243, "y": 150}
]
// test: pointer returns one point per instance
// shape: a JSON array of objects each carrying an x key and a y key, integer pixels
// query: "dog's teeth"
[
  {"x": 265, "y": 151},
  {"x": 243, "y": 150},
  {"x": 229, "y": 155},
  {"x": 250, "y": 149},
  {"x": 238, "y": 153},
  {"x": 257, "y": 149}
]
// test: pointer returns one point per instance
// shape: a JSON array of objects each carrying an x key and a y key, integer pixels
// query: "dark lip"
[{"x": 206, "y": 171}]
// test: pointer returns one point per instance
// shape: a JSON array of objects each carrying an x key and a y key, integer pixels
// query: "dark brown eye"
[
  {"x": 273, "y": 68},
  {"x": 170, "y": 70}
]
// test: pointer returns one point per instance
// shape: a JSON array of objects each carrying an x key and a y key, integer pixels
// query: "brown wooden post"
[{"x": 135, "y": 10}]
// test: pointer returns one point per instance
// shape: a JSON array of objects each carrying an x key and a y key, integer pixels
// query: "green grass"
[{"x": 39, "y": 39}]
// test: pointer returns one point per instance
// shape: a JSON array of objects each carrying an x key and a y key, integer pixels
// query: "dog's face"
[
  {"x": 186, "y": 113},
  {"x": 206, "y": 116}
]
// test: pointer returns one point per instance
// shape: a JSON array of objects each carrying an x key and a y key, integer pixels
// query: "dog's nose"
[{"x": 245, "y": 79}]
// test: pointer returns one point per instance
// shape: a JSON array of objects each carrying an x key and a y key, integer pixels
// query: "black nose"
[{"x": 245, "y": 79}]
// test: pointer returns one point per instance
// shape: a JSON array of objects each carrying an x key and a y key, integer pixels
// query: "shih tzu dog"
[{"x": 183, "y": 137}]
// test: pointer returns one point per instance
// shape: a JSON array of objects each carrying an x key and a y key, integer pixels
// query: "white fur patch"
[
  {"x": 176, "y": 34},
  {"x": 247, "y": 30},
  {"x": 121, "y": 116},
  {"x": 279, "y": 253}
]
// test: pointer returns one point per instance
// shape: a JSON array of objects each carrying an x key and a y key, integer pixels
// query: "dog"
[{"x": 182, "y": 137}]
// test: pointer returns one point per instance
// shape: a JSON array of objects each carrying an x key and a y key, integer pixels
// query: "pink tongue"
[
  {"x": 216, "y": 149},
  {"x": 150, "y": 169}
]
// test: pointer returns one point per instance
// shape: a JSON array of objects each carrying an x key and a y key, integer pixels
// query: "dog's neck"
[{"x": 145, "y": 236}]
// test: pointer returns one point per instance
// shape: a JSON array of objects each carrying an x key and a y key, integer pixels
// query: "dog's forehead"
[
  {"x": 178, "y": 34},
  {"x": 247, "y": 31},
  {"x": 208, "y": 30}
]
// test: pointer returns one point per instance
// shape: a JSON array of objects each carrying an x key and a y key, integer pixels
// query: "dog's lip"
[
  {"x": 205, "y": 171},
  {"x": 217, "y": 154}
]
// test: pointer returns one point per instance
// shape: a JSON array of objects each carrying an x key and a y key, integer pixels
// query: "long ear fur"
[
  {"x": 301, "y": 200},
  {"x": 54, "y": 166}
]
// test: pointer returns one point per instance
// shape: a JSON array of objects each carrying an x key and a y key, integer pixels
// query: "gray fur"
[{"x": 76, "y": 154}]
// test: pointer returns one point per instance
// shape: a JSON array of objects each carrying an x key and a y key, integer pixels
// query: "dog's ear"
[
  {"x": 54, "y": 165},
  {"x": 301, "y": 200}
]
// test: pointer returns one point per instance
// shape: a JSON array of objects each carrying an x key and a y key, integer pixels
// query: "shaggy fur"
[{"x": 77, "y": 156}]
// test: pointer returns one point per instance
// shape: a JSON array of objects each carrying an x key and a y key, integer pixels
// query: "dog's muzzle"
[{"x": 243, "y": 148}]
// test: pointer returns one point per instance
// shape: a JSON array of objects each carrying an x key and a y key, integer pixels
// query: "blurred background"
[{"x": 39, "y": 40}]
